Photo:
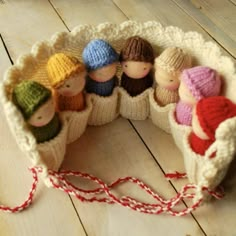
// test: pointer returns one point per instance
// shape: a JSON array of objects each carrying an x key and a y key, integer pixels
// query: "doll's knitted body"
[
  {"x": 101, "y": 60},
  {"x": 208, "y": 114},
  {"x": 136, "y": 57},
  {"x": 183, "y": 113},
  {"x": 135, "y": 87},
  {"x": 67, "y": 78},
  {"x": 168, "y": 67},
  {"x": 101, "y": 88},
  {"x": 70, "y": 103},
  {"x": 199, "y": 145},
  {"x": 47, "y": 132},
  {"x": 196, "y": 83},
  {"x": 165, "y": 96}
]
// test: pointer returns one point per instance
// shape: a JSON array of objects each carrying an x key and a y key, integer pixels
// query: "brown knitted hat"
[{"x": 137, "y": 49}]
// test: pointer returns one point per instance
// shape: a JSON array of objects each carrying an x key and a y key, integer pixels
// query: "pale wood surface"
[
  {"x": 114, "y": 150},
  {"x": 216, "y": 17}
]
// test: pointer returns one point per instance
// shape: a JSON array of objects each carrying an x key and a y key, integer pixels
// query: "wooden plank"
[
  {"x": 209, "y": 215},
  {"x": 216, "y": 17},
  {"x": 164, "y": 11},
  {"x": 112, "y": 151},
  {"x": 25, "y": 22},
  {"x": 51, "y": 207},
  {"x": 166, "y": 149},
  {"x": 88, "y": 12}
]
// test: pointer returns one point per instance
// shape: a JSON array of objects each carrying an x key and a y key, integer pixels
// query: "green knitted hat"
[{"x": 29, "y": 95}]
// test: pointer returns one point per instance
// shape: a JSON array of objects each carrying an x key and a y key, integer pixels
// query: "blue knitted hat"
[{"x": 98, "y": 53}]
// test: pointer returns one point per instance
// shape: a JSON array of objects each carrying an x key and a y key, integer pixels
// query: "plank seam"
[
  {"x": 54, "y": 8},
  {"x": 153, "y": 156},
  {"x": 5, "y": 47},
  {"x": 77, "y": 213},
  {"x": 214, "y": 39}
]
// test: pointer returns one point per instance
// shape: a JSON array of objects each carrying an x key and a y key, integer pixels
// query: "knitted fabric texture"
[
  {"x": 61, "y": 67},
  {"x": 136, "y": 107},
  {"x": 199, "y": 145},
  {"x": 137, "y": 49},
  {"x": 101, "y": 88},
  {"x": 173, "y": 60},
  {"x": 183, "y": 113},
  {"x": 202, "y": 82},
  {"x": 28, "y": 96},
  {"x": 212, "y": 111},
  {"x": 165, "y": 96},
  {"x": 98, "y": 53},
  {"x": 48, "y": 131},
  {"x": 135, "y": 87},
  {"x": 70, "y": 103}
]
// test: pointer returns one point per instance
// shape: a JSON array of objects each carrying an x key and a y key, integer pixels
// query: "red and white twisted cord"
[
  {"x": 29, "y": 199},
  {"x": 92, "y": 195}
]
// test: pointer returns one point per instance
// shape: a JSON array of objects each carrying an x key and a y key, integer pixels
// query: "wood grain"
[
  {"x": 166, "y": 12},
  {"x": 88, "y": 12},
  {"x": 216, "y": 17},
  {"x": 114, "y": 151}
]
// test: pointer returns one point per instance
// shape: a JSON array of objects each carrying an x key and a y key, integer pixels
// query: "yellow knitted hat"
[
  {"x": 61, "y": 67},
  {"x": 173, "y": 60}
]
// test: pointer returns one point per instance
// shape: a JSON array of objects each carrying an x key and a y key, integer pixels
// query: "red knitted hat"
[{"x": 212, "y": 111}]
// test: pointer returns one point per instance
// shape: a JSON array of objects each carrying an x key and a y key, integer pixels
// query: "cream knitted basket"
[{"x": 202, "y": 171}]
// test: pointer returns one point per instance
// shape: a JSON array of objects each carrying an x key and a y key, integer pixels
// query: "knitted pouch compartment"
[
  {"x": 32, "y": 66},
  {"x": 52, "y": 152},
  {"x": 209, "y": 171},
  {"x": 159, "y": 115},
  {"x": 105, "y": 109},
  {"x": 178, "y": 131},
  {"x": 134, "y": 108},
  {"x": 77, "y": 121}
]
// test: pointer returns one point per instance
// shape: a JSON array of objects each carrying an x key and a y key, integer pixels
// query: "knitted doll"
[
  {"x": 196, "y": 83},
  {"x": 137, "y": 58},
  {"x": 101, "y": 61},
  {"x": 36, "y": 105},
  {"x": 207, "y": 116},
  {"x": 67, "y": 77},
  {"x": 168, "y": 67}
]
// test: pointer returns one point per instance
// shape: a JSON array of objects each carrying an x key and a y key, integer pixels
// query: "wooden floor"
[{"x": 114, "y": 150}]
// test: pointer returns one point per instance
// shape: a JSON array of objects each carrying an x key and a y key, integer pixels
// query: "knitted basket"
[{"x": 203, "y": 171}]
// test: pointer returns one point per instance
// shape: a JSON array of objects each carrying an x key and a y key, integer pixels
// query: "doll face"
[
  {"x": 136, "y": 69},
  {"x": 166, "y": 79},
  {"x": 73, "y": 85},
  {"x": 104, "y": 74},
  {"x": 197, "y": 129},
  {"x": 43, "y": 115},
  {"x": 185, "y": 95}
]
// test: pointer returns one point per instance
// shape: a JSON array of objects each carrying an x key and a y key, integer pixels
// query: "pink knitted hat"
[{"x": 202, "y": 81}]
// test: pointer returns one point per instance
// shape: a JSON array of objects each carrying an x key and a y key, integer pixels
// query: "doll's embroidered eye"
[
  {"x": 39, "y": 117},
  {"x": 126, "y": 66},
  {"x": 68, "y": 86},
  {"x": 171, "y": 80},
  {"x": 145, "y": 68}
]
